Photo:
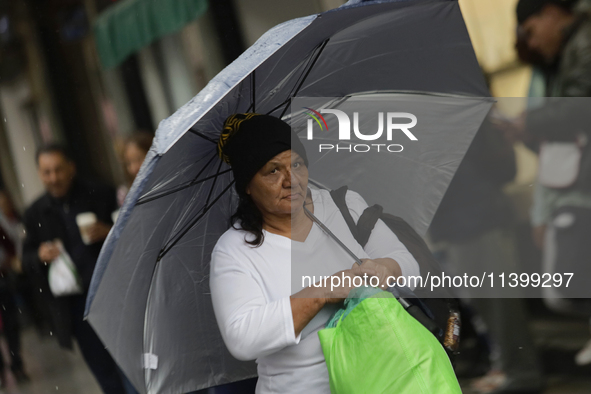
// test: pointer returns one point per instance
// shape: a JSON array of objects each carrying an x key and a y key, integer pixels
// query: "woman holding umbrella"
[{"x": 263, "y": 310}]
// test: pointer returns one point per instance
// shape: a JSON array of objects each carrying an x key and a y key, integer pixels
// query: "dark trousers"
[
  {"x": 242, "y": 387},
  {"x": 247, "y": 386},
  {"x": 97, "y": 358},
  {"x": 11, "y": 329}
]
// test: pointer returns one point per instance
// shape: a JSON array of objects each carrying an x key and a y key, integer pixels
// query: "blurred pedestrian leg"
[
  {"x": 583, "y": 356},
  {"x": 11, "y": 329},
  {"x": 475, "y": 223},
  {"x": 10, "y": 253},
  {"x": 129, "y": 389},
  {"x": 247, "y": 386},
  {"x": 242, "y": 387},
  {"x": 96, "y": 356},
  {"x": 505, "y": 318},
  {"x": 557, "y": 259}
]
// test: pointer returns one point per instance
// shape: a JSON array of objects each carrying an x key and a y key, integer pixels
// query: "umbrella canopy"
[{"x": 149, "y": 300}]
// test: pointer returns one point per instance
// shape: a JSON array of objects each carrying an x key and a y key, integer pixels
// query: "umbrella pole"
[{"x": 331, "y": 235}]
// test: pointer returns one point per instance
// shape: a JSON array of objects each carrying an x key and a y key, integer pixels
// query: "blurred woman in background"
[{"x": 135, "y": 149}]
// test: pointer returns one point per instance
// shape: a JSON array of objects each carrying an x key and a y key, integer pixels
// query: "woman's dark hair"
[
  {"x": 527, "y": 8},
  {"x": 250, "y": 218}
]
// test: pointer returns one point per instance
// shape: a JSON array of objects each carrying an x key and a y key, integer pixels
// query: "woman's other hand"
[
  {"x": 384, "y": 268},
  {"x": 338, "y": 286}
]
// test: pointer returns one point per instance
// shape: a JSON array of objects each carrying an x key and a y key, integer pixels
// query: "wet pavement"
[
  {"x": 558, "y": 339},
  {"x": 53, "y": 370}
]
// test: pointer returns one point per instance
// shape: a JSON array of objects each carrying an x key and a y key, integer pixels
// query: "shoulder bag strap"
[{"x": 362, "y": 230}]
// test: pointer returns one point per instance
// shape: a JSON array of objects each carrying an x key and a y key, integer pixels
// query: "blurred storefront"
[{"x": 90, "y": 72}]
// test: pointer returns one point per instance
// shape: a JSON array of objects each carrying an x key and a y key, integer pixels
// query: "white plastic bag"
[
  {"x": 63, "y": 276},
  {"x": 559, "y": 164}
]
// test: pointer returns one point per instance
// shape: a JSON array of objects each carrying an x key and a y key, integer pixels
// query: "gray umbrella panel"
[
  {"x": 150, "y": 302},
  {"x": 444, "y": 131}
]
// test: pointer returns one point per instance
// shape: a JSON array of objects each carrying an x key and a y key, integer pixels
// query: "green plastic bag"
[{"x": 374, "y": 346}]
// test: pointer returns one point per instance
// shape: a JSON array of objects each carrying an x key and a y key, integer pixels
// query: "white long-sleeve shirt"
[{"x": 251, "y": 288}]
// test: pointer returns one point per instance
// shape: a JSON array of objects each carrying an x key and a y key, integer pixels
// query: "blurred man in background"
[
  {"x": 474, "y": 225},
  {"x": 52, "y": 231}
]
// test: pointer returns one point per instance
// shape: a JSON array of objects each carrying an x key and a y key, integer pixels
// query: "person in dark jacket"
[
  {"x": 53, "y": 217},
  {"x": 474, "y": 223},
  {"x": 560, "y": 31}
]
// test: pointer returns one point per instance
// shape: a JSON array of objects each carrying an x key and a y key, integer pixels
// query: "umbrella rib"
[
  {"x": 251, "y": 108},
  {"x": 311, "y": 61},
  {"x": 299, "y": 86},
  {"x": 206, "y": 209},
  {"x": 279, "y": 106},
  {"x": 193, "y": 182},
  {"x": 252, "y": 89},
  {"x": 203, "y": 136},
  {"x": 165, "y": 193},
  {"x": 182, "y": 187},
  {"x": 213, "y": 184},
  {"x": 304, "y": 75}
]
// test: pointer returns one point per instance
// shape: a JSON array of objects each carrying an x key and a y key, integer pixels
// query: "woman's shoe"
[
  {"x": 495, "y": 382},
  {"x": 485, "y": 384}
]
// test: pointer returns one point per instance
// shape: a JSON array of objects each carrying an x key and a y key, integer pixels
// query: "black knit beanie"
[
  {"x": 527, "y": 8},
  {"x": 249, "y": 141}
]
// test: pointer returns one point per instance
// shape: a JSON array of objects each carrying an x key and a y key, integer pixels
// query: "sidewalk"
[
  {"x": 51, "y": 369},
  {"x": 558, "y": 339}
]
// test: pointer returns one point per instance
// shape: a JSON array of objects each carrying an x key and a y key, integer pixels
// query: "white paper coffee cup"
[
  {"x": 115, "y": 215},
  {"x": 85, "y": 221}
]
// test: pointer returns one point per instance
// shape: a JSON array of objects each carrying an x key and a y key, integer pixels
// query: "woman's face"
[
  {"x": 280, "y": 187},
  {"x": 133, "y": 157}
]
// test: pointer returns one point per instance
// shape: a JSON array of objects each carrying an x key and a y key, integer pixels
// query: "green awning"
[{"x": 130, "y": 25}]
